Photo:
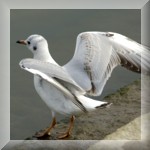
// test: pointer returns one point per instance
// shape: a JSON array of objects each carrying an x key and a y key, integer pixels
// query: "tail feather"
[{"x": 91, "y": 104}]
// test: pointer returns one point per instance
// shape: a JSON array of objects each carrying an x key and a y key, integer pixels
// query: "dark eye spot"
[
  {"x": 34, "y": 48},
  {"x": 28, "y": 42}
]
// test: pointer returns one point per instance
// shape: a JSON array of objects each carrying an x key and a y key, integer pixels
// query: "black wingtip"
[
  {"x": 106, "y": 105},
  {"x": 22, "y": 66}
]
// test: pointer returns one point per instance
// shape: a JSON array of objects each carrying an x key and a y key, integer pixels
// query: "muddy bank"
[{"x": 102, "y": 122}]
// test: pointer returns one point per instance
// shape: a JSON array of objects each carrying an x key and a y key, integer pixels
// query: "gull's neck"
[{"x": 44, "y": 55}]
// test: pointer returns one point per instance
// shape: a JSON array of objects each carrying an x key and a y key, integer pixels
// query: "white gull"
[{"x": 64, "y": 88}]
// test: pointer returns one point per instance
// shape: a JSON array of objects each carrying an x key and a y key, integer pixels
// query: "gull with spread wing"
[{"x": 64, "y": 88}]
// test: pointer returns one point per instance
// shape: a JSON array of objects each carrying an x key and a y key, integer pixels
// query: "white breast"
[{"x": 53, "y": 98}]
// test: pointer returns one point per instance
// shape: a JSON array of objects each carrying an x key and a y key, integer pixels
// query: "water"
[{"x": 60, "y": 27}]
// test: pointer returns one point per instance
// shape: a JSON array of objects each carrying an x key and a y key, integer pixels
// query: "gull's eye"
[
  {"x": 28, "y": 42},
  {"x": 34, "y": 47}
]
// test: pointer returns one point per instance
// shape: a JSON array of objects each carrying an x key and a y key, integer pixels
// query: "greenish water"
[{"x": 60, "y": 27}]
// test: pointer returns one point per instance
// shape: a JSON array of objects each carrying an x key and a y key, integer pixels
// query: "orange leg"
[
  {"x": 68, "y": 132},
  {"x": 46, "y": 132}
]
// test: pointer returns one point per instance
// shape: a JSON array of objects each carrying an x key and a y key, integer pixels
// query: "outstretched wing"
[
  {"x": 55, "y": 75},
  {"x": 50, "y": 70},
  {"x": 98, "y": 53}
]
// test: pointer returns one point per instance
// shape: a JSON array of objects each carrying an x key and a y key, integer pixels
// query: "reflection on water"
[{"x": 60, "y": 27}]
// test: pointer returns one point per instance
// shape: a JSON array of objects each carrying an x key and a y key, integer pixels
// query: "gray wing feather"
[{"x": 98, "y": 53}]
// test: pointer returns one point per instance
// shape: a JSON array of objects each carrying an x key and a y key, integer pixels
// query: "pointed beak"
[{"x": 22, "y": 42}]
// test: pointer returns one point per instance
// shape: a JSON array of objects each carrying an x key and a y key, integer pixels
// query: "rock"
[{"x": 131, "y": 130}]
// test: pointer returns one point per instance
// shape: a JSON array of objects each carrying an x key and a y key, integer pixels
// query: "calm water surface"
[{"x": 60, "y": 27}]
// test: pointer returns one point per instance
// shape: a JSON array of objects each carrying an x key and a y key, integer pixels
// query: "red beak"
[{"x": 22, "y": 42}]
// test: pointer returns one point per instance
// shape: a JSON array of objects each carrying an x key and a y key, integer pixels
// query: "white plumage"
[
  {"x": 63, "y": 88},
  {"x": 98, "y": 53}
]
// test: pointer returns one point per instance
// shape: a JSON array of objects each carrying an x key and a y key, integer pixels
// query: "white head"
[
  {"x": 38, "y": 45},
  {"x": 34, "y": 43}
]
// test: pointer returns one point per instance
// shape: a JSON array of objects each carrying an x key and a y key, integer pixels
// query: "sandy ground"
[{"x": 102, "y": 122}]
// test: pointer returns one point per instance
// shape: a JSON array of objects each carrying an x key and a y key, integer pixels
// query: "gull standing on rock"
[{"x": 64, "y": 88}]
